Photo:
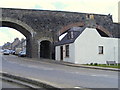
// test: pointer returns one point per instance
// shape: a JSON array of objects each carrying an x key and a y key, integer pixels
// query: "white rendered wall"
[
  {"x": 86, "y": 48},
  {"x": 111, "y": 51},
  {"x": 57, "y": 53},
  {"x": 119, "y": 51},
  {"x": 71, "y": 57}
]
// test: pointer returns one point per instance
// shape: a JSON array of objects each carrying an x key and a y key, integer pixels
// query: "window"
[
  {"x": 68, "y": 35},
  {"x": 89, "y": 16},
  {"x": 67, "y": 50},
  {"x": 72, "y": 35},
  {"x": 100, "y": 49}
]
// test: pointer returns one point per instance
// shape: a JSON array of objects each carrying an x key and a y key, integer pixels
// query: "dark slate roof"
[
  {"x": 116, "y": 31},
  {"x": 76, "y": 32},
  {"x": 23, "y": 41}
]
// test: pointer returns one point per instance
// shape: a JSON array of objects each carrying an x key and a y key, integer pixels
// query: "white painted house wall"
[
  {"x": 71, "y": 57},
  {"x": 85, "y": 49},
  {"x": 119, "y": 51},
  {"x": 57, "y": 53},
  {"x": 88, "y": 52}
]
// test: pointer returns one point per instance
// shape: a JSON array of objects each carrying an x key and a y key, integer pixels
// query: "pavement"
[
  {"x": 77, "y": 65},
  {"x": 25, "y": 82}
]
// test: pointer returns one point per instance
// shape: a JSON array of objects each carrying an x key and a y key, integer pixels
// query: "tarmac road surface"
[{"x": 59, "y": 75}]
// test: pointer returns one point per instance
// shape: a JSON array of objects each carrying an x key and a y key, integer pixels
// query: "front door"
[{"x": 61, "y": 53}]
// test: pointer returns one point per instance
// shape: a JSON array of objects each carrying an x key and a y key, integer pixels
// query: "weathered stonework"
[{"x": 38, "y": 25}]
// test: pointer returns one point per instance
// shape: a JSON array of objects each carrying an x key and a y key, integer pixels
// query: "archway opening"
[
  {"x": 9, "y": 35},
  {"x": 12, "y": 40},
  {"x": 45, "y": 49},
  {"x": 103, "y": 34},
  {"x": 23, "y": 31}
]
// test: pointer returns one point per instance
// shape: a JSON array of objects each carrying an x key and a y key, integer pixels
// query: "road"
[{"x": 59, "y": 75}]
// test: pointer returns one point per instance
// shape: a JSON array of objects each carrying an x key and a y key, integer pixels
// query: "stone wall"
[{"x": 45, "y": 21}]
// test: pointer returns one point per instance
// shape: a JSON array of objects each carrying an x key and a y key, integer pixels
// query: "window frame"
[
  {"x": 67, "y": 51},
  {"x": 72, "y": 34},
  {"x": 100, "y": 50},
  {"x": 68, "y": 35}
]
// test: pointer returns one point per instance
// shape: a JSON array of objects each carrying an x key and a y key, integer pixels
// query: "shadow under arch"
[
  {"x": 103, "y": 32},
  {"x": 22, "y": 30},
  {"x": 45, "y": 49}
]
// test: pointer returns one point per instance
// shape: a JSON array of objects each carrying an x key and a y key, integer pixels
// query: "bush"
[
  {"x": 95, "y": 64},
  {"x": 91, "y": 63}
]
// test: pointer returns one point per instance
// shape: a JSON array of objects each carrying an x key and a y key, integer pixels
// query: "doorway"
[
  {"x": 61, "y": 53},
  {"x": 45, "y": 49}
]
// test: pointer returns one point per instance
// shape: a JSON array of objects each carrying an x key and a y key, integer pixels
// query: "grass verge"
[{"x": 104, "y": 65}]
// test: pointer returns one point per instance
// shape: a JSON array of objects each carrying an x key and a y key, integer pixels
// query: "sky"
[
  {"x": 8, "y": 35},
  {"x": 86, "y": 6}
]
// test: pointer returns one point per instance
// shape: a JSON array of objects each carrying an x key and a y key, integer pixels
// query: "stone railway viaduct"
[{"x": 43, "y": 27}]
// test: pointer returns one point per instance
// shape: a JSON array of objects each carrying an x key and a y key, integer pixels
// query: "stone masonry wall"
[{"x": 44, "y": 21}]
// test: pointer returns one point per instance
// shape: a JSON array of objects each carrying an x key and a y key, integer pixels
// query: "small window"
[
  {"x": 100, "y": 49},
  {"x": 89, "y": 16},
  {"x": 67, "y": 50},
  {"x": 68, "y": 35},
  {"x": 72, "y": 35}
]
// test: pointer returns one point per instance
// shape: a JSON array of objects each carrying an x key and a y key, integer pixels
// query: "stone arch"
[
  {"x": 22, "y": 28},
  {"x": 17, "y": 24},
  {"x": 65, "y": 28},
  {"x": 79, "y": 24},
  {"x": 45, "y": 38}
]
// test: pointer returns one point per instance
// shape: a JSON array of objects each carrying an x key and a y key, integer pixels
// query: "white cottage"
[{"x": 87, "y": 45}]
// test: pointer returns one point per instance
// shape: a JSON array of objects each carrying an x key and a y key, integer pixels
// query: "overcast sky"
[{"x": 86, "y": 6}]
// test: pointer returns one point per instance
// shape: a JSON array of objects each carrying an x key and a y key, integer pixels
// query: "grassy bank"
[{"x": 104, "y": 65}]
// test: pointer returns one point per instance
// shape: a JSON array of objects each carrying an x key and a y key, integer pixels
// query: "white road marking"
[
  {"x": 77, "y": 87},
  {"x": 77, "y": 72},
  {"x": 99, "y": 75},
  {"x": 44, "y": 68}
]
